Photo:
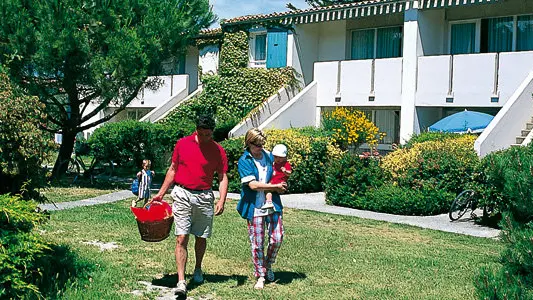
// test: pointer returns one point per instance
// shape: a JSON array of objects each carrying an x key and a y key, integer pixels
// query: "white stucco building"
[{"x": 407, "y": 63}]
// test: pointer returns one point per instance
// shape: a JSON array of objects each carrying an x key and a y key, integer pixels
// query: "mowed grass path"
[{"x": 323, "y": 257}]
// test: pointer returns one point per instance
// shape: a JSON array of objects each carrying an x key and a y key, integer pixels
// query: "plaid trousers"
[{"x": 256, "y": 232}]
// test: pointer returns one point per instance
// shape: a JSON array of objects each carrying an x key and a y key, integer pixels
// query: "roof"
[
  {"x": 349, "y": 11},
  {"x": 210, "y": 32}
]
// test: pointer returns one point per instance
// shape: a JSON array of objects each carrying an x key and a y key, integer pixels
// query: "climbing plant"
[{"x": 233, "y": 93}]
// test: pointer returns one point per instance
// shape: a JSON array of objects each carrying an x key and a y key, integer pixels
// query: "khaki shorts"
[{"x": 193, "y": 211}]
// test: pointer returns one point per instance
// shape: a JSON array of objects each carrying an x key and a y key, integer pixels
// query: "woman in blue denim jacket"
[{"x": 255, "y": 170}]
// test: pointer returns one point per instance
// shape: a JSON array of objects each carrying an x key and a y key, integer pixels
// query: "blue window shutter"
[{"x": 276, "y": 49}]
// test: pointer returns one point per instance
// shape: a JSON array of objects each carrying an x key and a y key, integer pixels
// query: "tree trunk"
[{"x": 65, "y": 152}]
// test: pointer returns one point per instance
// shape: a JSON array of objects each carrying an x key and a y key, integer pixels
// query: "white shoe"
[
  {"x": 267, "y": 205},
  {"x": 260, "y": 284},
  {"x": 198, "y": 276},
  {"x": 181, "y": 288},
  {"x": 270, "y": 275}
]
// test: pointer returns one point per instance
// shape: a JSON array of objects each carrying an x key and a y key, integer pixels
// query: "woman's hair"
[
  {"x": 254, "y": 136},
  {"x": 147, "y": 162}
]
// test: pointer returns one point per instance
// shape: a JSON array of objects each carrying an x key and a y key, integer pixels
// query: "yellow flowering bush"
[
  {"x": 309, "y": 151},
  {"x": 447, "y": 163},
  {"x": 351, "y": 127}
]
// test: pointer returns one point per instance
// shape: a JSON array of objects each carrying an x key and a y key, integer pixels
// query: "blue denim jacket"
[{"x": 248, "y": 172}]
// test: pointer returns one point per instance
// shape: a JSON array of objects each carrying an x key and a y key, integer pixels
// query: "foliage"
[
  {"x": 449, "y": 164},
  {"x": 430, "y": 136},
  {"x": 351, "y": 127},
  {"x": 513, "y": 279},
  {"x": 19, "y": 247},
  {"x": 23, "y": 144},
  {"x": 349, "y": 178},
  {"x": 308, "y": 152},
  {"x": 400, "y": 200},
  {"x": 236, "y": 91},
  {"x": 509, "y": 175},
  {"x": 81, "y": 57},
  {"x": 129, "y": 142}
]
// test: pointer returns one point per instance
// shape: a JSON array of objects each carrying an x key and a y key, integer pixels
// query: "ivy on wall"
[{"x": 236, "y": 91}]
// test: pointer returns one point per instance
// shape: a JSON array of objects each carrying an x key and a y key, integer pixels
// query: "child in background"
[
  {"x": 145, "y": 181},
  {"x": 282, "y": 171}
]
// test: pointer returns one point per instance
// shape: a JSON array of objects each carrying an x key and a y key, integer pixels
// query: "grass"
[
  {"x": 323, "y": 257},
  {"x": 64, "y": 191}
]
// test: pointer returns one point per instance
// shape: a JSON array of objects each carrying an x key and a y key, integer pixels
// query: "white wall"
[
  {"x": 299, "y": 112},
  {"x": 208, "y": 60},
  {"x": 171, "y": 85},
  {"x": 433, "y": 82},
  {"x": 191, "y": 67},
  {"x": 513, "y": 68},
  {"x": 388, "y": 82},
  {"x": 332, "y": 41},
  {"x": 510, "y": 120},
  {"x": 326, "y": 76},
  {"x": 305, "y": 50},
  {"x": 432, "y": 27}
]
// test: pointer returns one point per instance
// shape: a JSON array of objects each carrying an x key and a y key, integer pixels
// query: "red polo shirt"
[{"x": 196, "y": 163}]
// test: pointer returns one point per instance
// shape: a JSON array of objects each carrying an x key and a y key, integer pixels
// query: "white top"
[{"x": 260, "y": 197}]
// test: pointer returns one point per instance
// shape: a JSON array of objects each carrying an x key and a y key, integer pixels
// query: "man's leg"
[
  {"x": 181, "y": 255},
  {"x": 199, "y": 251}
]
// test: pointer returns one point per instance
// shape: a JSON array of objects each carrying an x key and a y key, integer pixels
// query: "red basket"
[
  {"x": 155, "y": 231},
  {"x": 154, "y": 222}
]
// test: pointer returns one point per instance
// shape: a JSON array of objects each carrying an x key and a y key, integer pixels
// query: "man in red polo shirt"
[{"x": 195, "y": 160}]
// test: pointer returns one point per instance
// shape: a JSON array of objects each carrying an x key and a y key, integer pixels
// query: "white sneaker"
[
  {"x": 267, "y": 205},
  {"x": 260, "y": 284},
  {"x": 270, "y": 275},
  {"x": 181, "y": 288},
  {"x": 198, "y": 276}
]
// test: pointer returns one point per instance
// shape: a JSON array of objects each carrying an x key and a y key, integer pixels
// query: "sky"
[{"x": 227, "y": 9}]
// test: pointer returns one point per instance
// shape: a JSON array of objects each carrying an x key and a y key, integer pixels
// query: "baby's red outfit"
[{"x": 278, "y": 176}]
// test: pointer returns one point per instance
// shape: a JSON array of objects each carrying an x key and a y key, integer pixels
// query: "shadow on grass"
[
  {"x": 170, "y": 280},
  {"x": 287, "y": 277},
  {"x": 60, "y": 268}
]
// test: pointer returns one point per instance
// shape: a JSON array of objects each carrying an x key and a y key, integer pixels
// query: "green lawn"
[
  {"x": 323, "y": 257},
  {"x": 64, "y": 191}
]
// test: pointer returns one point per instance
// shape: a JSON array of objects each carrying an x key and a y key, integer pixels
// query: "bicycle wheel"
[
  {"x": 461, "y": 204},
  {"x": 74, "y": 169}
]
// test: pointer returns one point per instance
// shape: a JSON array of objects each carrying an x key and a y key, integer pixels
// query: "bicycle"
[
  {"x": 467, "y": 200},
  {"x": 76, "y": 167}
]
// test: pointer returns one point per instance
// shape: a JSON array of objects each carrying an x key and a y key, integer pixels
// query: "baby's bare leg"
[{"x": 268, "y": 197}]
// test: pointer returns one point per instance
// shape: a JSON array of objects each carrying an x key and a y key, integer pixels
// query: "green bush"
[
  {"x": 20, "y": 247},
  {"x": 513, "y": 279},
  {"x": 389, "y": 198},
  {"x": 349, "y": 178},
  {"x": 509, "y": 174},
  {"x": 430, "y": 136},
  {"x": 23, "y": 144},
  {"x": 309, "y": 153},
  {"x": 127, "y": 143}
]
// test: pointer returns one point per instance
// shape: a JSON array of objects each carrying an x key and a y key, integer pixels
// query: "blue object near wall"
[{"x": 276, "y": 48}]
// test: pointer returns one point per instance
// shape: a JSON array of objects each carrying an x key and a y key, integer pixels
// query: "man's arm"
[
  {"x": 169, "y": 179},
  {"x": 223, "y": 190}
]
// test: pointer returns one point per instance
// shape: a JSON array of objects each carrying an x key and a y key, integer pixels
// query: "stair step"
[
  {"x": 520, "y": 139},
  {"x": 515, "y": 145},
  {"x": 529, "y": 126},
  {"x": 525, "y": 132}
]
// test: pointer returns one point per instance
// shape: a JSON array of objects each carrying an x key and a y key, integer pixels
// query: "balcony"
[
  {"x": 471, "y": 80},
  {"x": 372, "y": 82}
]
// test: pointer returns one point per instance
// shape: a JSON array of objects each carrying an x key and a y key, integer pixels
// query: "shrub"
[
  {"x": 390, "y": 198},
  {"x": 129, "y": 142},
  {"x": 23, "y": 144},
  {"x": 513, "y": 279},
  {"x": 349, "y": 178},
  {"x": 19, "y": 247},
  {"x": 449, "y": 164},
  {"x": 308, "y": 152},
  {"x": 509, "y": 174},
  {"x": 430, "y": 136},
  {"x": 351, "y": 127}
]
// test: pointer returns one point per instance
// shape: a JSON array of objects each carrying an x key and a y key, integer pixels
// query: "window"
[
  {"x": 387, "y": 121},
  {"x": 463, "y": 38},
  {"x": 497, "y": 34},
  {"x": 258, "y": 49},
  {"x": 524, "y": 33},
  {"x": 377, "y": 43}
]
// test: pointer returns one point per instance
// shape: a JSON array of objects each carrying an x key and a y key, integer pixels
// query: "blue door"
[{"x": 276, "y": 49}]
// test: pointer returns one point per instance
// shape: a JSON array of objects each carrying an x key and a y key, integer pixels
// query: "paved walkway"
[{"x": 317, "y": 202}]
